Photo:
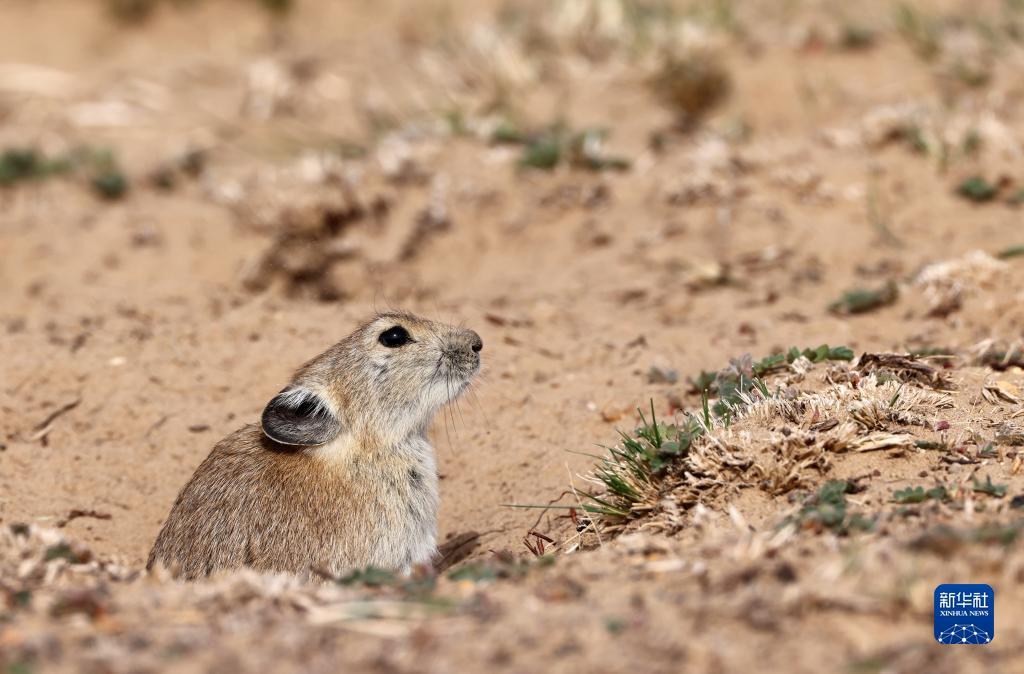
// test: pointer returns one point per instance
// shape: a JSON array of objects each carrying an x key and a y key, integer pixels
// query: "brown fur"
[{"x": 366, "y": 497}]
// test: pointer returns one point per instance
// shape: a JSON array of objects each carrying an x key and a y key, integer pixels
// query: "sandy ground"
[{"x": 137, "y": 332}]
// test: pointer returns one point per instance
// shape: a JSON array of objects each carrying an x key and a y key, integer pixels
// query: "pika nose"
[{"x": 465, "y": 342}]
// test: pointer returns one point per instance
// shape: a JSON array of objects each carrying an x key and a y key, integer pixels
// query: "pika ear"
[{"x": 298, "y": 416}]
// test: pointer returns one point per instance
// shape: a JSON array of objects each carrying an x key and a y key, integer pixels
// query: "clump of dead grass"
[
  {"x": 731, "y": 384},
  {"x": 999, "y": 356},
  {"x": 33, "y": 558},
  {"x": 494, "y": 66},
  {"x": 776, "y": 435},
  {"x": 333, "y": 223},
  {"x": 948, "y": 138},
  {"x": 906, "y": 368},
  {"x": 691, "y": 84},
  {"x": 947, "y": 284},
  {"x": 632, "y": 475},
  {"x": 963, "y": 49}
]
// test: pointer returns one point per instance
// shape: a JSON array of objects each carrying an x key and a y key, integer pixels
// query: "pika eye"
[{"x": 394, "y": 337}]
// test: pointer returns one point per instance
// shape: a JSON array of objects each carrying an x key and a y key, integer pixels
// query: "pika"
[{"x": 339, "y": 473}]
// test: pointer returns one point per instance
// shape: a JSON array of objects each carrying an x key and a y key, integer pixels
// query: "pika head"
[{"x": 383, "y": 382}]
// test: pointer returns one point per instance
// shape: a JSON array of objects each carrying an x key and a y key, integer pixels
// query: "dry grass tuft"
[
  {"x": 493, "y": 67},
  {"x": 904, "y": 368},
  {"x": 691, "y": 85},
  {"x": 774, "y": 442},
  {"x": 948, "y": 283}
]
